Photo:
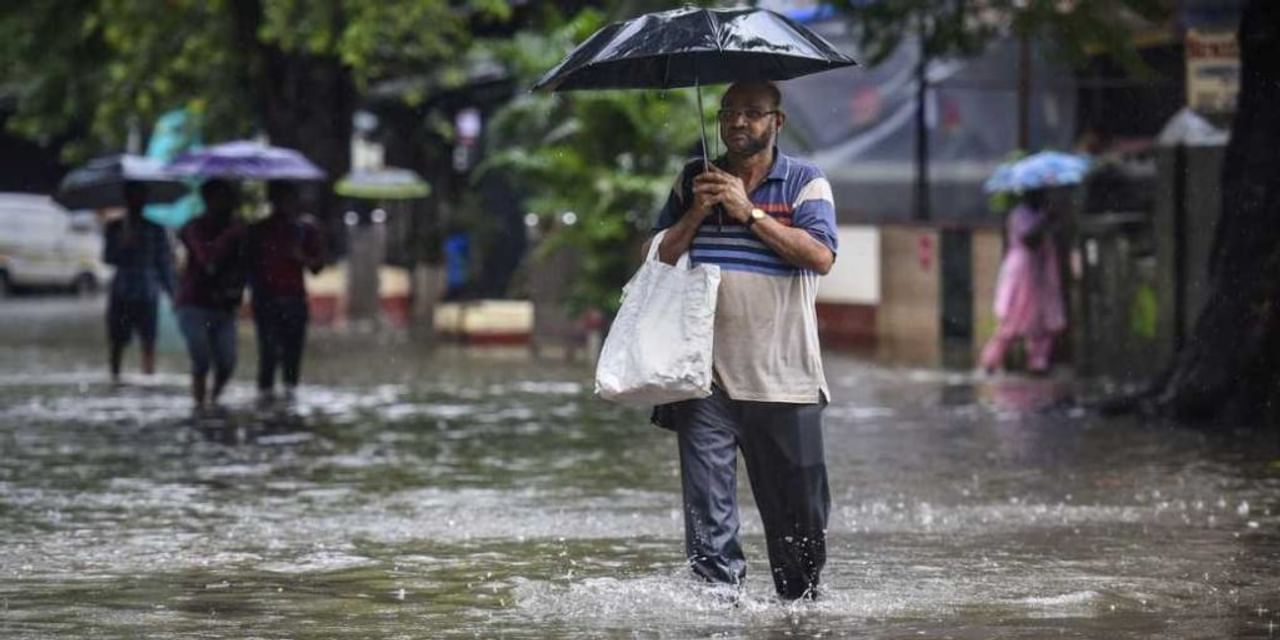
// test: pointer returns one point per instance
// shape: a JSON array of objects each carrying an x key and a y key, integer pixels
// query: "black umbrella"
[
  {"x": 99, "y": 183},
  {"x": 691, "y": 47}
]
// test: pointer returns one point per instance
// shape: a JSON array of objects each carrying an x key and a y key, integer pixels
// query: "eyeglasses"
[{"x": 729, "y": 115}]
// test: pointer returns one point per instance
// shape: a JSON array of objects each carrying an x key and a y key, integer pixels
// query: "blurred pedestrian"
[
  {"x": 1028, "y": 302},
  {"x": 212, "y": 288},
  {"x": 143, "y": 259},
  {"x": 280, "y": 247}
]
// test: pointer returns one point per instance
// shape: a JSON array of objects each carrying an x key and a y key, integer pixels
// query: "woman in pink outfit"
[{"x": 1028, "y": 301}]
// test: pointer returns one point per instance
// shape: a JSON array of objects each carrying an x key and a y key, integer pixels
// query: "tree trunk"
[
  {"x": 303, "y": 101},
  {"x": 1229, "y": 370},
  {"x": 309, "y": 102}
]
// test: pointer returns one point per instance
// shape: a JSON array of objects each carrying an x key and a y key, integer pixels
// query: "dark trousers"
[
  {"x": 126, "y": 316},
  {"x": 281, "y": 325},
  {"x": 781, "y": 445}
]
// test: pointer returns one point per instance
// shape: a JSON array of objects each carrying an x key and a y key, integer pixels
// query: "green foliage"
[
  {"x": 41, "y": 44},
  {"x": 375, "y": 39},
  {"x": 959, "y": 28},
  {"x": 610, "y": 157},
  {"x": 86, "y": 70}
]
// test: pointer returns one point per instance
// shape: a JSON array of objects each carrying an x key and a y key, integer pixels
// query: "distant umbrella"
[
  {"x": 383, "y": 184},
  {"x": 1038, "y": 171},
  {"x": 1191, "y": 129},
  {"x": 99, "y": 183},
  {"x": 246, "y": 160}
]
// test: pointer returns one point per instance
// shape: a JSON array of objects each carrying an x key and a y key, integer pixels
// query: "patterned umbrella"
[
  {"x": 1038, "y": 171},
  {"x": 246, "y": 160}
]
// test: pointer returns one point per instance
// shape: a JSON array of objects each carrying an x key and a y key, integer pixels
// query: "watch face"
[{"x": 757, "y": 214}]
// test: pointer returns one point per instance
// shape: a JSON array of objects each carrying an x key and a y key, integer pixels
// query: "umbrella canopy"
[
  {"x": 383, "y": 184},
  {"x": 99, "y": 184},
  {"x": 246, "y": 160},
  {"x": 693, "y": 47},
  {"x": 1191, "y": 129},
  {"x": 1038, "y": 171}
]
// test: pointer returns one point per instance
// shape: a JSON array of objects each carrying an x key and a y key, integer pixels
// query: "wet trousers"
[
  {"x": 281, "y": 325},
  {"x": 781, "y": 445},
  {"x": 211, "y": 338}
]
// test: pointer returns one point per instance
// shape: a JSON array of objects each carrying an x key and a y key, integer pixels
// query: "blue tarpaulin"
[{"x": 174, "y": 132}]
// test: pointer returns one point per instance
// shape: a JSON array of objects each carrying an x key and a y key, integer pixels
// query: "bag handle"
[{"x": 681, "y": 262}]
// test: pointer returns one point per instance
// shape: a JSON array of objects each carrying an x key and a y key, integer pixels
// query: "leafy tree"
[
  {"x": 610, "y": 157},
  {"x": 87, "y": 70}
]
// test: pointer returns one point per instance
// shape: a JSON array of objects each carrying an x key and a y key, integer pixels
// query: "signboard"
[{"x": 1213, "y": 71}]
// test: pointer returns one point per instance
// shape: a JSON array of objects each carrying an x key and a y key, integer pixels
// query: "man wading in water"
[{"x": 768, "y": 221}]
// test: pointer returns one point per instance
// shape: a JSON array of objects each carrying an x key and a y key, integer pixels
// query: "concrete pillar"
[
  {"x": 366, "y": 253},
  {"x": 428, "y": 291}
]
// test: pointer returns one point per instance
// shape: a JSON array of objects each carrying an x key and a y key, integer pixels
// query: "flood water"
[{"x": 473, "y": 493}]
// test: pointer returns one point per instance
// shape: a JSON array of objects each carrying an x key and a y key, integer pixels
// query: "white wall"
[{"x": 855, "y": 278}]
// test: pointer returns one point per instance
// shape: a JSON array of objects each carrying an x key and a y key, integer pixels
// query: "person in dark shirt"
[
  {"x": 280, "y": 247},
  {"x": 211, "y": 289},
  {"x": 140, "y": 252}
]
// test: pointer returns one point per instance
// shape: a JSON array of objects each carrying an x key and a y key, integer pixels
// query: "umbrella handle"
[{"x": 702, "y": 120}]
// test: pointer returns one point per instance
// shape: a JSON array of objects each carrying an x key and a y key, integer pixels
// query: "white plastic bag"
[{"x": 659, "y": 347}]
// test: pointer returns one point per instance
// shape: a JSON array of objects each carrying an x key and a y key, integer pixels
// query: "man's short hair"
[{"x": 770, "y": 87}]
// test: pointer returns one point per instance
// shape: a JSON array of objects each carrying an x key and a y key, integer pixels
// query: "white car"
[{"x": 44, "y": 245}]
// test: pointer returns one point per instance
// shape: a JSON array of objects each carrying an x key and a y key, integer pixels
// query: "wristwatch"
[{"x": 756, "y": 216}]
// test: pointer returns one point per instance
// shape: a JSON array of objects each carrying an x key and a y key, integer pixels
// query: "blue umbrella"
[
  {"x": 1038, "y": 171},
  {"x": 246, "y": 160}
]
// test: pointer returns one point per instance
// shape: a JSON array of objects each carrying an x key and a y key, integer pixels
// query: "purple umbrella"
[{"x": 246, "y": 160}]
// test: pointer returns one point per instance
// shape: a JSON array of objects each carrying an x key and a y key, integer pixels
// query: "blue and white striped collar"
[{"x": 781, "y": 168}]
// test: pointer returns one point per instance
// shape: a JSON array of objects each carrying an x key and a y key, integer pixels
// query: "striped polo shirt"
[{"x": 766, "y": 335}]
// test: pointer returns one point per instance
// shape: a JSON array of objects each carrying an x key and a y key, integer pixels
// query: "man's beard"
[{"x": 750, "y": 145}]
